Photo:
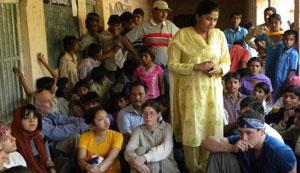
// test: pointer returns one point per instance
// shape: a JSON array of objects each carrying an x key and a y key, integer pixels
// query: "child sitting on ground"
[
  {"x": 291, "y": 134},
  {"x": 89, "y": 63},
  {"x": 63, "y": 95},
  {"x": 101, "y": 84},
  {"x": 81, "y": 88},
  {"x": 232, "y": 99},
  {"x": 291, "y": 100},
  {"x": 255, "y": 76},
  {"x": 118, "y": 102},
  {"x": 262, "y": 93}
]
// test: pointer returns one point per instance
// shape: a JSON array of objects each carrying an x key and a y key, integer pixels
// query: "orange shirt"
[
  {"x": 238, "y": 54},
  {"x": 113, "y": 139}
]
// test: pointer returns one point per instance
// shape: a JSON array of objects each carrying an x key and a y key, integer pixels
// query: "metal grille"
[{"x": 10, "y": 90}]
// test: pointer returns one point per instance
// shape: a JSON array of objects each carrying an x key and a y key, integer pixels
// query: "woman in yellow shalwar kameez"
[{"x": 198, "y": 57}]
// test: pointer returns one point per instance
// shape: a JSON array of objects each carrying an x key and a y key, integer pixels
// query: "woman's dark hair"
[
  {"x": 44, "y": 83},
  {"x": 61, "y": 85},
  {"x": 138, "y": 11},
  {"x": 206, "y": 7},
  {"x": 271, "y": 9},
  {"x": 234, "y": 75},
  {"x": 291, "y": 32},
  {"x": 93, "y": 50},
  {"x": 26, "y": 110},
  {"x": 152, "y": 104},
  {"x": 275, "y": 17},
  {"x": 262, "y": 85},
  {"x": 90, "y": 115},
  {"x": 147, "y": 50},
  {"x": 254, "y": 59},
  {"x": 69, "y": 43}
]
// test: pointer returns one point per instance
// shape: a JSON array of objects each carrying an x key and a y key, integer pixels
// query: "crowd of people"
[{"x": 149, "y": 97}]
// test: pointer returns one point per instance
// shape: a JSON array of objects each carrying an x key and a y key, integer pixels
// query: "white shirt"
[
  {"x": 272, "y": 132},
  {"x": 15, "y": 159}
]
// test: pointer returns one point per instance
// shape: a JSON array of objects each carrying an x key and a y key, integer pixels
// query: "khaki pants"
[
  {"x": 223, "y": 162},
  {"x": 69, "y": 146},
  {"x": 195, "y": 159}
]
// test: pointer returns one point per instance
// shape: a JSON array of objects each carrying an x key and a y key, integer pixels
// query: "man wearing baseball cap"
[
  {"x": 251, "y": 151},
  {"x": 155, "y": 32},
  {"x": 159, "y": 4}
]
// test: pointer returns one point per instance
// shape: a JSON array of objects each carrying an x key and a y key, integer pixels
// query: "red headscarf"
[{"x": 23, "y": 138}]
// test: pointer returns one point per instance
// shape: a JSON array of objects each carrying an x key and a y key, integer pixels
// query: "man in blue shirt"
[
  {"x": 61, "y": 131},
  {"x": 252, "y": 150},
  {"x": 131, "y": 116},
  {"x": 235, "y": 33}
]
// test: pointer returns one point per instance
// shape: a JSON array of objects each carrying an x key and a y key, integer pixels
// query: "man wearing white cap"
[{"x": 155, "y": 32}]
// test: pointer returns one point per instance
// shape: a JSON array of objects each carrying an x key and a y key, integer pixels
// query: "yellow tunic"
[{"x": 196, "y": 99}]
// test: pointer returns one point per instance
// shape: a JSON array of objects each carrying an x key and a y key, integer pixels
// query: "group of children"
[
  {"x": 92, "y": 89},
  {"x": 271, "y": 78}
]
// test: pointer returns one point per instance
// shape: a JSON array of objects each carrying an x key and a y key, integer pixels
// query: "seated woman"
[
  {"x": 150, "y": 148},
  {"x": 26, "y": 128},
  {"x": 99, "y": 148}
]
